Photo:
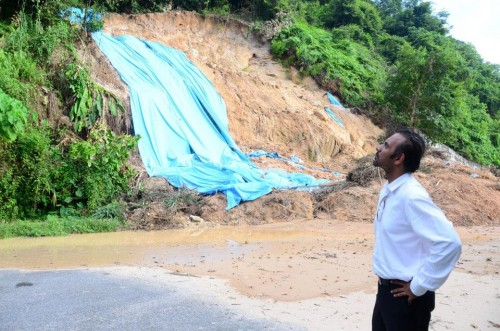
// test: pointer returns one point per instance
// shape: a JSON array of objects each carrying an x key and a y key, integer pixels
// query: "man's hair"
[{"x": 413, "y": 148}]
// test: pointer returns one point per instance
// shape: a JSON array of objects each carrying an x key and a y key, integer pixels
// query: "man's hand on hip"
[{"x": 403, "y": 291}]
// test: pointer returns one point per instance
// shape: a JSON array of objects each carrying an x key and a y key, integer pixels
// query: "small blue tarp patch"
[
  {"x": 335, "y": 118},
  {"x": 334, "y": 101}
]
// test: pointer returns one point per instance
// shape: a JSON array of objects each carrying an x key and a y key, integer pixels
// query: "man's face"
[{"x": 383, "y": 157}]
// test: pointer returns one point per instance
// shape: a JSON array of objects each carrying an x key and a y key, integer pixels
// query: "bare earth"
[{"x": 295, "y": 256}]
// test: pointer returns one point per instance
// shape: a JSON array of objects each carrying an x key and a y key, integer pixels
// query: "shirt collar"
[{"x": 395, "y": 184}]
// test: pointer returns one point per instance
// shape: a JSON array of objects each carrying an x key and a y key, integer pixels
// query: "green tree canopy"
[
  {"x": 400, "y": 16},
  {"x": 355, "y": 12}
]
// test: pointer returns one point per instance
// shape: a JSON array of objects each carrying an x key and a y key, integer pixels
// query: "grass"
[
  {"x": 183, "y": 199},
  {"x": 58, "y": 226}
]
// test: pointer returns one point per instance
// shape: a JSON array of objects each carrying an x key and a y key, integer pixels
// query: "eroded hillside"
[{"x": 271, "y": 108}]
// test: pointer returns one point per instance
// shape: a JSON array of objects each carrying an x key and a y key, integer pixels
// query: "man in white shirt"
[{"x": 416, "y": 247}]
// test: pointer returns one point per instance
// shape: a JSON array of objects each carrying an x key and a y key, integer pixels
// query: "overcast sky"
[{"x": 476, "y": 22}]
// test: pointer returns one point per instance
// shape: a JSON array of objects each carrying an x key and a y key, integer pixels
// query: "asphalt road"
[{"x": 111, "y": 299}]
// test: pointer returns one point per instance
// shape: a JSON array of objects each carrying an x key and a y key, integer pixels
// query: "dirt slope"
[{"x": 270, "y": 108}]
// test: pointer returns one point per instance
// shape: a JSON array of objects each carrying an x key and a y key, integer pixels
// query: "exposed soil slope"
[{"x": 271, "y": 108}]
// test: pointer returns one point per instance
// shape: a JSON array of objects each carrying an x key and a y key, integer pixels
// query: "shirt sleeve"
[{"x": 440, "y": 240}]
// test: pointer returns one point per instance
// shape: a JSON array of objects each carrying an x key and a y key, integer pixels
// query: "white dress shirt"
[{"x": 414, "y": 241}]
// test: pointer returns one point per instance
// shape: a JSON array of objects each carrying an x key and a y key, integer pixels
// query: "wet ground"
[
  {"x": 286, "y": 261},
  {"x": 290, "y": 276}
]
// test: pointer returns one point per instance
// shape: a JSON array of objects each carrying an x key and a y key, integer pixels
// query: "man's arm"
[{"x": 444, "y": 246}]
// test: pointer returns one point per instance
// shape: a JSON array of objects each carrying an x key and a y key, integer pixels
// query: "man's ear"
[{"x": 400, "y": 159}]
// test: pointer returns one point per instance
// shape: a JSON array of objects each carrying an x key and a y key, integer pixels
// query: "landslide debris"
[{"x": 272, "y": 108}]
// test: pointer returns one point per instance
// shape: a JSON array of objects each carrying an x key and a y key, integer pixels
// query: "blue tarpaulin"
[
  {"x": 78, "y": 15},
  {"x": 293, "y": 160},
  {"x": 334, "y": 101},
  {"x": 332, "y": 115},
  {"x": 183, "y": 124}
]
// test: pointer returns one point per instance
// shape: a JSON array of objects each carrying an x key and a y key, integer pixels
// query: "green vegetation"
[
  {"x": 392, "y": 58},
  {"x": 13, "y": 117},
  {"x": 56, "y": 179},
  {"x": 91, "y": 100},
  {"x": 58, "y": 226},
  {"x": 45, "y": 171},
  {"x": 347, "y": 68}
]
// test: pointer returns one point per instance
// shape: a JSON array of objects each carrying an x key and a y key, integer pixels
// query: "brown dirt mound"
[
  {"x": 269, "y": 108},
  {"x": 365, "y": 172}
]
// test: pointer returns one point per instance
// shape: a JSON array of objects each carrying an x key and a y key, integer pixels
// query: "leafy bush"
[
  {"x": 40, "y": 40},
  {"x": 43, "y": 170},
  {"x": 29, "y": 159},
  {"x": 13, "y": 117},
  {"x": 43, "y": 173},
  {"x": 9, "y": 185},
  {"x": 344, "y": 67},
  {"x": 137, "y": 6},
  {"x": 114, "y": 210},
  {"x": 98, "y": 168},
  {"x": 353, "y": 32},
  {"x": 19, "y": 75},
  {"x": 389, "y": 47},
  {"x": 27, "y": 61},
  {"x": 355, "y": 12},
  {"x": 89, "y": 100}
]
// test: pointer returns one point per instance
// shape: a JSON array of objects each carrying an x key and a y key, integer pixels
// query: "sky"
[{"x": 476, "y": 22}]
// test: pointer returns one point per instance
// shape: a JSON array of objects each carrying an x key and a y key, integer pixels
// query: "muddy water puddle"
[
  {"x": 287, "y": 261},
  {"x": 138, "y": 247},
  {"x": 283, "y": 261}
]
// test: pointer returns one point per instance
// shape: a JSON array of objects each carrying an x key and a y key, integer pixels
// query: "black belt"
[{"x": 384, "y": 282}]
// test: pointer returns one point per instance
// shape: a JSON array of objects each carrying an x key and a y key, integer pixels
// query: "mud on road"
[{"x": 313, "y": 274}]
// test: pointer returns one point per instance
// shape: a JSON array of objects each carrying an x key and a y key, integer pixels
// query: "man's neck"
[{"x": 394, "y": 175}]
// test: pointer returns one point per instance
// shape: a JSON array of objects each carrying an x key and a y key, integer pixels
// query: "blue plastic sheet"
[
  {"x": 183, "y": 125},
  {"x": 78, "y": 15},
  {"x": 294, "y": 161},
  {"x": 335, "y": 118},
  {"x": 334, "y": 101}
]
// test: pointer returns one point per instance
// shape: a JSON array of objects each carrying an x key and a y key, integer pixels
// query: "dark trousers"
[{"x": 395, "y": 314}]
